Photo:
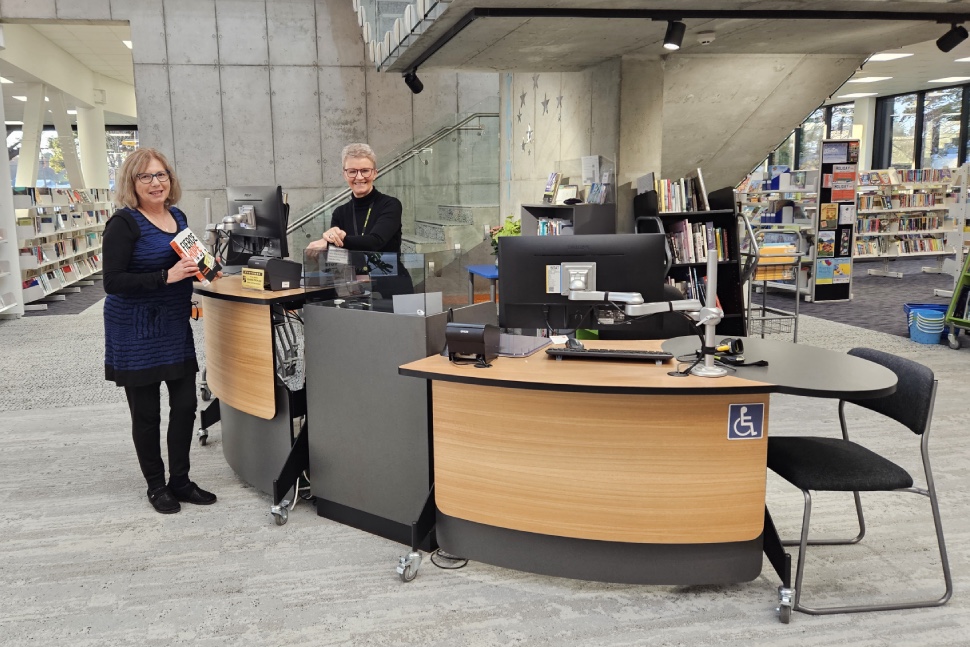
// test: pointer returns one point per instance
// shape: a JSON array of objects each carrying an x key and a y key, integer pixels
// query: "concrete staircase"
[{"x": 453, "y": 225}]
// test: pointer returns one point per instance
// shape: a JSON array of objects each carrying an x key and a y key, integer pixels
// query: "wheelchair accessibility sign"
[{"x": 746, "y": 421}]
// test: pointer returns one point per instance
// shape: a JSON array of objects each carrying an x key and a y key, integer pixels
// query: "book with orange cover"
[{"x": 188, "y": 245}]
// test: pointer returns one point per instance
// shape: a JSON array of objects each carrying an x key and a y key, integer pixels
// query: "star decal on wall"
[
  {"x": 559, "y": 102},
  {"x": 519, "y": 117},
  {"x": 522, "y": 99},
  {"x": 545, "y": 105},
  {"x": 535, "y": 81}
]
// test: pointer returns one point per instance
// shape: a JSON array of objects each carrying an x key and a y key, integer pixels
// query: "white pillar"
[
  {"x": 65, "y": 135},
  {"x": 863, "y": 128},
  {"x": 11, "y": 283},
  {"x": 34, "y": 111},
  {"x": 94, "y": 150}
]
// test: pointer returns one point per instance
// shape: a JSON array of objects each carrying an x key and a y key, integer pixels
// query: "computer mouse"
[{"x": 574, "y": 344}]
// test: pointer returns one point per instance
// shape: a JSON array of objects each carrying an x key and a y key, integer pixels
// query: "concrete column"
[
  {"x": 34, "y": 111},
  {"x": 863, "y": 128},
  {"x": 65, "y": 135},
  {"x": 94, "y": 150},
  {"x": 641, "y": 131}
]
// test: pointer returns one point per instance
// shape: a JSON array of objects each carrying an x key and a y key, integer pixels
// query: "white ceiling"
[{"x": 97, "y": 47}]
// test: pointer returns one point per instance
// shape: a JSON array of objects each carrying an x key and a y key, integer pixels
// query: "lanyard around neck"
[{"x": 366, "y": 220}]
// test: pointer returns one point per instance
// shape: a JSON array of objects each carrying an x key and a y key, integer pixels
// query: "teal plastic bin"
[
  {"x": 926, "y": 326},
  {"x": 909, "y": 308}
]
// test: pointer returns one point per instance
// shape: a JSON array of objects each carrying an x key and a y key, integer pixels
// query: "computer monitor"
[
  {"x": 270, "y": 219},
  {"x": 527, "y": 295}
]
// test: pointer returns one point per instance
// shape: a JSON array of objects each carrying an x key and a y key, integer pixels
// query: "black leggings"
[{"x": 144, "y": 402}]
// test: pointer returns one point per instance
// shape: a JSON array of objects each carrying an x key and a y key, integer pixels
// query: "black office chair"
[{"x": 840, "y": 465}]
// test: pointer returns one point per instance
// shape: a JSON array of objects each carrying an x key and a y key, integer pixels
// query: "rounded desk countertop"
[{"x": 795, "y": 369}]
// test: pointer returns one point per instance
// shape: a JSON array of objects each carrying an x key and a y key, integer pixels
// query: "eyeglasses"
[
  {"x": 146, "y": 178},
  {"x": 354, "y": 172}
]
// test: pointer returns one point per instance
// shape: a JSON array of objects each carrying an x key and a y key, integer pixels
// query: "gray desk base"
[{"x": 256, "y": 448}]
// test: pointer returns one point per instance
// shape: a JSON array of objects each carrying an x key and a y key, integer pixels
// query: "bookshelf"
[
  {"x": 959, "y": 237},
  {"x": 905, "y": 214},
  {"x": 559, "y": 219},
  {"x": 687, "y": 233},
  {"x": 58, "y": 234}
]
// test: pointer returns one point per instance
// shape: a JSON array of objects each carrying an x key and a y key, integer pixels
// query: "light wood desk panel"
[{"x": 628, "y": 468}]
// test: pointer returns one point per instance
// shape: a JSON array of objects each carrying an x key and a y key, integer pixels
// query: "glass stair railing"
[
  {"x": 390, "y": 26},
  {"x": 447, "y": 182}
]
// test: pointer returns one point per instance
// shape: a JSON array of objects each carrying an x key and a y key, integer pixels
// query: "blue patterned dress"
[{"x": 147, "y": 334}]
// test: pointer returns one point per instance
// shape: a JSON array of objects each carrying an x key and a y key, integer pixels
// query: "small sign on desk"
[{"x": 254, "y": 279}]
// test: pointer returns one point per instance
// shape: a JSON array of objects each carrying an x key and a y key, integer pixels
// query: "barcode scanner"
[{"x": 730, "y": 346}]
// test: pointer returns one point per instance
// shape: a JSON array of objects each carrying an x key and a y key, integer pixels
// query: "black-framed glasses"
[
  {"x": 363, "y": 172},
  {"x": 146, "y": 178}
]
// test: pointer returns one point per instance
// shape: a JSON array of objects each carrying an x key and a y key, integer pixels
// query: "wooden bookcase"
[
  {"x": 729, "y": 288},
  {"x": 582, "y": 218}
]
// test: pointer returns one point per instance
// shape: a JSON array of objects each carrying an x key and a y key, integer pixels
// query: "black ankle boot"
[{"x": 163, "y": 500}]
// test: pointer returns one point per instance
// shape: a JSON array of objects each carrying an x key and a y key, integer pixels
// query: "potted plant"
[{"x": 511, "y": 227}]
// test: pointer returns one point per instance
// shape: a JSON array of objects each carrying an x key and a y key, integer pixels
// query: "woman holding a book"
[
  {"x": 148, "y": 338},
  {"x": 370, "y": 222}
]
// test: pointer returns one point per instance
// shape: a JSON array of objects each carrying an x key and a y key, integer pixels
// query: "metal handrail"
[{"x": 411, "y": 152}]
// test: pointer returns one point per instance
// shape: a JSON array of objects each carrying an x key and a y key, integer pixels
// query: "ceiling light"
[
  {"x": 413, "y": 82},
  {"x": 127, "y": 43},
  {"x": 888, "y": 56},
  {"x": 14, "y": 123},
  {"x": 950, "y": 79},
  {"x": 675, "y": 34},
  {"x": 19, "y": 97},
  {"x": 965, "y": 59},
  {"x": 72, "y": 112},
  {"x": 3, "y": 80},
  {"x": 952, "y": 38},
  {"x": 858, "y": 95},
  {"x": 869, "y": 79}
]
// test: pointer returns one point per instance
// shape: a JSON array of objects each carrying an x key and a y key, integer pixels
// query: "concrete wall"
[
  {"x": 721, "y": 113},
  {"x": 261, "y": 91}
]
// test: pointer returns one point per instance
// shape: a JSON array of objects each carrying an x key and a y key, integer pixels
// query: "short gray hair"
[{"x": 358, "y": 151}]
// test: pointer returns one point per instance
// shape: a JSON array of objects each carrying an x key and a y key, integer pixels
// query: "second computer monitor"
[
  {"x": 270, "y": 212},
  {"x": 624, "y": 263}
]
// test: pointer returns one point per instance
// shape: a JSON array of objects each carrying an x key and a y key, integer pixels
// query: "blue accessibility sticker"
[{"x": 746, "y": 421}]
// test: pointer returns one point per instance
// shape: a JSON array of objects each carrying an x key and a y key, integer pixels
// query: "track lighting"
[
  {"x": 952, "y": 38},
  {"x": 675, "y": 34},
  {"x": 413, "y": 82}
]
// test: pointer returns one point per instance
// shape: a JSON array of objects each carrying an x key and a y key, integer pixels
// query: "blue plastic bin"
[
  {"x": 908, "y": 308},
  {"x": 926, "y": 326}
]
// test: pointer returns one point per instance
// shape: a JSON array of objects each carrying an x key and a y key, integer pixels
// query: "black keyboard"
[{"x": 656, "y": 356}]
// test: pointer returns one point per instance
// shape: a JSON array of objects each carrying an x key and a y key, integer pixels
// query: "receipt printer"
[
  {"x": 474, "y": 341},
  {"x": 278, "y": 273}
]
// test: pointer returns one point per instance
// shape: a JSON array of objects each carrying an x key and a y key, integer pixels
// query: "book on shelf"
[
  {"x": 188, "y": 245},
  {"x": 552, "y": 185}
]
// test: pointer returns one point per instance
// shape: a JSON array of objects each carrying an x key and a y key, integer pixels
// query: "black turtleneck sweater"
[{"x": 372, "y": 223}]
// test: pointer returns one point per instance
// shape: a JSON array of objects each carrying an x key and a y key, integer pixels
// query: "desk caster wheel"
[
  {"x": 206, "y": 394},
  {"x": 203, "y": 436},
  {"x": 784, "y": 604},
  {"x": 408, "y": 567},
  {"x": 953, "y": 342},
  {"x": 280, "y": 512}
]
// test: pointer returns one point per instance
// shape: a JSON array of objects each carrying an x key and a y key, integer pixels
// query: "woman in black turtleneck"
[{"x": 369, "y": 222}]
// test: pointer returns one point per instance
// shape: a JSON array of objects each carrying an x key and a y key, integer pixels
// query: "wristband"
[{"x": 165, "y": 277}]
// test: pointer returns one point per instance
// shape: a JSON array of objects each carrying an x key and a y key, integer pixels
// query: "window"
[
  {"x": 813, "y": 132},
  {"x": 902, "y": 132},
  {"x": 941, "y": 128},
  {"x": 840, "y": 121}
]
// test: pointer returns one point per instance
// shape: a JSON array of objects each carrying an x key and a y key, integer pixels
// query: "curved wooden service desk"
[
  {"x": 614, "y": 470},
  {"x": 256, "y": 409}
]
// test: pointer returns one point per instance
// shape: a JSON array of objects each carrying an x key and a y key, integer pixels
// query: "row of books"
[
  {"x": 554, "y": 227},
  {"x": 694, "y": 287},
  {"x": 34, "y": 256},
  {"x": 54, "y": 279},
  {"x": 44, "y": 224},
  {"x": 914, "y": 245},
  {"x": 900, "y": 201},
  {"x": 684, "y": 194},
  {"x": 43, "y": 196},
  {"x": 871, "y": 247},
  {"x": 901, "y": 224},
  {"x": 689, "y": 242},
  {"x": 905, "y": 176}
]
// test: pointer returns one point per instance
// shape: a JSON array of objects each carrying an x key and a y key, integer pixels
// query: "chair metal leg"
[{"x": 837, "y": 542}]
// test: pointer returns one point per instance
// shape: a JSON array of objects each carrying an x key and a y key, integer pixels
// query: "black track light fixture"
[
  {"x": 952, "y": 38},
  {"x": 413, "y": 82},
  {"x": 675, "y": 35}
]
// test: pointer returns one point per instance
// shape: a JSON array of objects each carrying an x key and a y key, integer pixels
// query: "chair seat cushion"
[{"x": 833, "y": 464}]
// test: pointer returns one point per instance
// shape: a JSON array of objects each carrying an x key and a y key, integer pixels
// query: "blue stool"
[{"x": 489, "y": 272}]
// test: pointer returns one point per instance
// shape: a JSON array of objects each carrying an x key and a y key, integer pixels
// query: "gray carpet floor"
[{"x": 87, "y": 562}]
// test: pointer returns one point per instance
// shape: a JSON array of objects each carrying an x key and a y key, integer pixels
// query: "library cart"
[
  {"x": 958, "y": 314},
  {"x": 777, "y": 257}
]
